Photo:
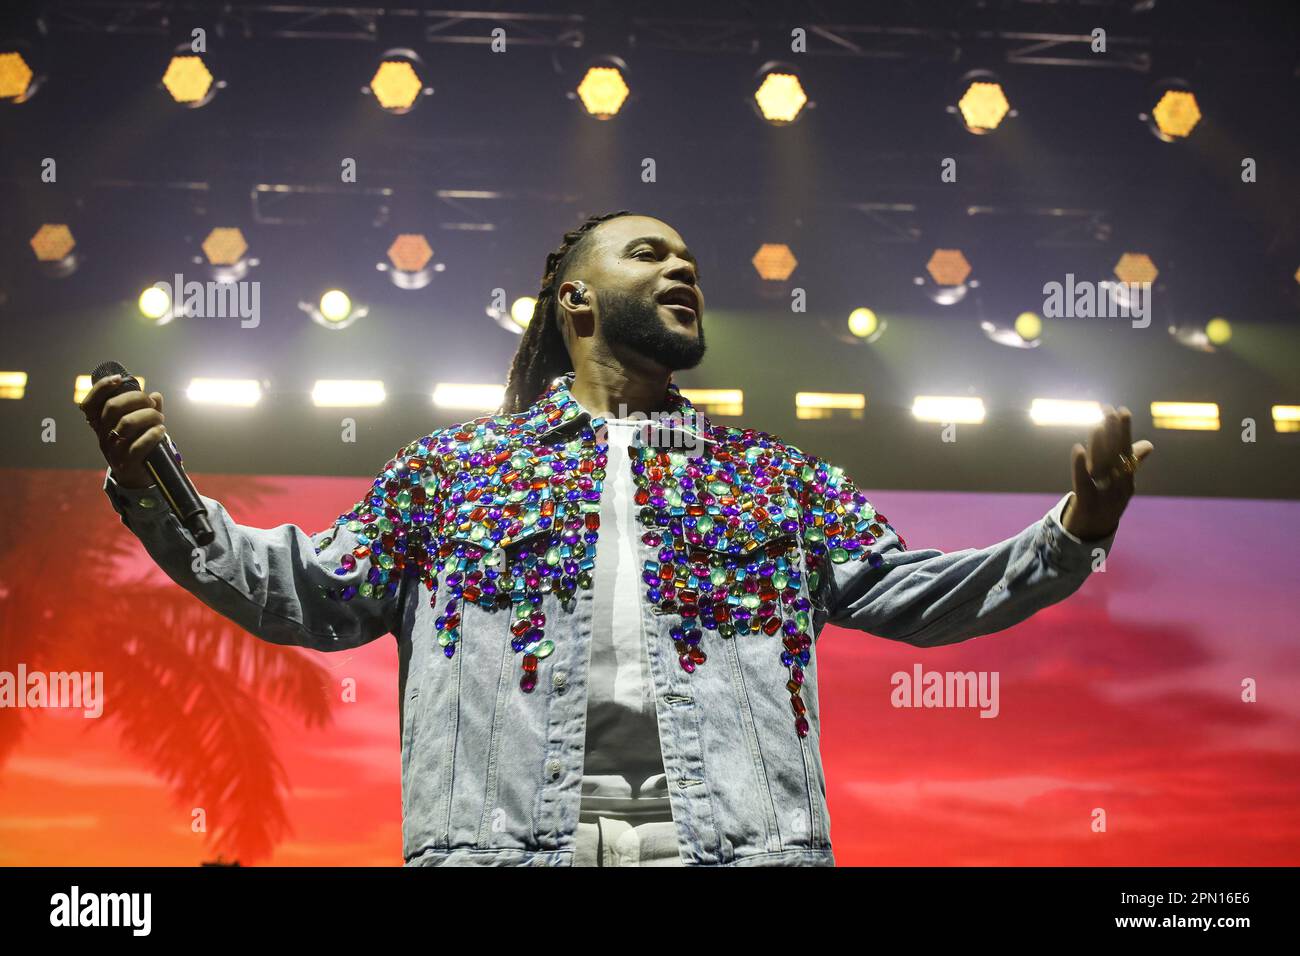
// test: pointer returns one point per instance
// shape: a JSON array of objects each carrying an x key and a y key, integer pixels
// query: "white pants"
[{"x": 611, "y": 842}]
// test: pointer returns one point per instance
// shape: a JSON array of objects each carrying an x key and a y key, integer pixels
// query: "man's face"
[{"x": 650, "y": 305}]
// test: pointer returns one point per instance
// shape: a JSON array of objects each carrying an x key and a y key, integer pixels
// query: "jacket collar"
[{"x": 557, "y": 409}]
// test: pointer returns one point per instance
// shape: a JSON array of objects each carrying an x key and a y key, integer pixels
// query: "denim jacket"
[{"x": 475, "y": 547}]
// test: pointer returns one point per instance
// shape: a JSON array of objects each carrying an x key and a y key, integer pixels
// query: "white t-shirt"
[{"x": 623, "y": 775}]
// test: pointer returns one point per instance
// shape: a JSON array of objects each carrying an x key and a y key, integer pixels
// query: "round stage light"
[
  {"x": 521, "y": 310},
  {"x": 335, "y": 306},
  {"x": 863, "y": 322},
  {"x": 155, "y": 302},
  {"x": 1029, "y": 326},
  {"x": 1218, "y": 330}
]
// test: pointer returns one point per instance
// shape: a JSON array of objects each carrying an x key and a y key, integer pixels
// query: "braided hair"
[{"x": 542, "y": 354}]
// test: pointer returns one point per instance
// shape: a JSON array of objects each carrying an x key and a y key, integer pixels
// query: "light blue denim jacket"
[{"x": 474, "y": 547}]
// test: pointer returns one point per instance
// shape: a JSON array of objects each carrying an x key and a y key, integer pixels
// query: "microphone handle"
[{"x": 164, "y": 463}]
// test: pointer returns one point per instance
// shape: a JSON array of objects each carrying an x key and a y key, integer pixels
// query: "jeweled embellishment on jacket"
[{"x": 505, "y": 509}]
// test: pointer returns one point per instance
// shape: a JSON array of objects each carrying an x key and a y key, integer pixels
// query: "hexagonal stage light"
[
  {"x": 53, "y": 245},
  {"x": 16, "y": 78},
  {"x": 604, "y": 89},
  {"x": 779, "y": 96},
  {"x": 189, "y": 81},
  {"x": 774, "y": 261},
  {"x": 397, "y": 84}
]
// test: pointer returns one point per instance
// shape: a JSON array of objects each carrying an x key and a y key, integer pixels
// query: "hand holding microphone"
[{"x": 134, "y": 442}]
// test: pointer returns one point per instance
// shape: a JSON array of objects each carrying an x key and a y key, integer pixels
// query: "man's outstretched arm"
[
  {"x": 931, "y": 597},
  {"x": 273, "y": 582}
]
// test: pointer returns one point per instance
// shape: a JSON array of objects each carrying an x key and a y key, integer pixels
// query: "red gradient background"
[{"x": 1125, "y": 697}]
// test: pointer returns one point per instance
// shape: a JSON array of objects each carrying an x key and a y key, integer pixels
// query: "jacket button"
[
  {"x": 560, "y": 680},
  {"x": 554, "y": 768}
]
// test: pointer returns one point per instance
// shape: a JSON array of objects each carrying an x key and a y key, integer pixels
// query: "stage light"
[
  {"x": 717, "y": 401},
  {"x": 603, "y": 91},
  {"x": 82, "y": 383},
  {"x": 53, "y": 245},
  {"x": 1029, "y": 326},
  {"x": 240, "y": 392},
  {"x": 1136, "y": 267},
  {"x": 817, "y": 405},
  {"x": 948, "y": 267},
  {"x": 1176, "y": 115},
  {"x": 1286, "y": 418},
  {"x": 189, "y": 81},
  {"x": 863, "y": 323},
  {"x": 155, "y": 303},
  {"x": 1058, "y": 411},
  {"x": 335, "y": 306},
  {"x": 15, "y": 78},
  {"x": 52, "y": 242},
  {"x": 521, "y": 310},
  {"x": 1218, "y": 330},
  {"x": 472, "y": 397},
  {"x": 13, "y": 384},
  {"x": 409, "y": 264},
  {"x": 410, "y": 252},
  {"x": 396, "y": 85},
  {"x": 780, "y": 96},
  {"x": 774, "y": 261},
  {"x": 224, "y": 246},
  {"x": 983, "y": 107},
  {"x": 944, "y": 409},
  {"x": 347, "y": 393},
  {"x": 1190, "y": 416}
]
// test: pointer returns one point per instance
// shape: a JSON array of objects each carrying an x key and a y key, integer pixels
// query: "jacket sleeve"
[
  {"x": 280, "y": 584},
  {"x": 867, "y": 580}
]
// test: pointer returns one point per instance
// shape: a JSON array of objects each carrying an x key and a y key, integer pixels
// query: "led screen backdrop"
[{"x": 1126, "y": 700}]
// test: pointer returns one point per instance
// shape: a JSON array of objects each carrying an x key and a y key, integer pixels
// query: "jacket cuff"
[
  {"x": 138, "y": 507},
  {"x": 1067, "y": 551}
]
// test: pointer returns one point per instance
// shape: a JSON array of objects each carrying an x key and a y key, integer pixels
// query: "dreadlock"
[{"x": 542, "y": 355}]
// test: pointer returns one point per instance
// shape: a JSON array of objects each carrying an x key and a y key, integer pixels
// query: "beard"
[{"x": 633, "y": 322}]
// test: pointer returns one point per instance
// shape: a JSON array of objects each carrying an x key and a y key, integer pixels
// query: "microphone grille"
[{"x": 105, "y": 369}]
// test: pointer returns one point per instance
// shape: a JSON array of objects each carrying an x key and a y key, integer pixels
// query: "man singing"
[{"x": 605, "y": 604}]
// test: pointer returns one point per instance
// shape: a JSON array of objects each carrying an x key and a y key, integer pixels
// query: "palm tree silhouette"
[{"x": 186, "y": 689}]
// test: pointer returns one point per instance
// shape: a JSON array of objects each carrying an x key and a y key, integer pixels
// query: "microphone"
[{"x": 164, "y": 463}]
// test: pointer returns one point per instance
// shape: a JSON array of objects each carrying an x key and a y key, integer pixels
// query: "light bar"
[
  {"x": 347, "y": 393},
  {"x": 1189, "y": 416},
  {"x": 810, "y": 405},
  {"x": 948, "y": 408},
  {"x": 1286, "y": 418},
  {"x": 457, "y": 395},
  {"x": 81, "y": 386},
  {"x": 1060, "y": 411},
  {"x": 718, "y": 401},
  {"x": 13, "y": 384},
  {"x": 242, "y": 392}
]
